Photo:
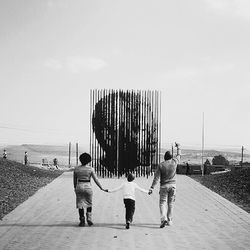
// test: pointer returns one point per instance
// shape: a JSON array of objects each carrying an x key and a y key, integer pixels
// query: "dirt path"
[{"x": 49, "y": 220}]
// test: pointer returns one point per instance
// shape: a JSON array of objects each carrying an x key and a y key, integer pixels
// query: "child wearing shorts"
[{"x": 128, "y": 189}]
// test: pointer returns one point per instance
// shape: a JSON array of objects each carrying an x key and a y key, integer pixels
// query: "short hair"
[
  {"x": 167, "y": 156},
  {"x": 85, "y": 158},
  {"x": 130, "y": 177}
]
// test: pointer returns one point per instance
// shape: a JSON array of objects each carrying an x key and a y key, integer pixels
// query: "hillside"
[
  {"x": 38, "y": 152},
  {"x": 194, "y": 155},
  {"x": 18, "y": 183}
]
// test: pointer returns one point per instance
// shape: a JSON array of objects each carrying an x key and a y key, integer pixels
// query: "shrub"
[{"x": 220, "y": 160}]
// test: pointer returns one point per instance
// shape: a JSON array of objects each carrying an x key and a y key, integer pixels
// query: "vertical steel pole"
[
  {"x": 117, "y": 128},
  {"x": 90, "y": 122},
  {"x": 76, "y": 154},
  {"x": 202, "y": 148},
  {"x": 92, "y": 125},
  {"x": 157, "y": 127},
  {"x": 96, "y": 100},
  {"x": 138, "y": 129},
  {"x": 159, "y": 124},
  {"x": 96, "y": 142}
]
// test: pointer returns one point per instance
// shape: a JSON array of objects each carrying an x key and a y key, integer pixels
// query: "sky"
[{"x": 196, "y": 53}]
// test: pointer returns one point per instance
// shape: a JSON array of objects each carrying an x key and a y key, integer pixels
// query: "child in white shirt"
[{"x": 128, "y": 189}]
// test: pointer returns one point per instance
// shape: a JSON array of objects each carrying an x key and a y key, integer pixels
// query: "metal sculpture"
[{"x": 125, "y": 131}]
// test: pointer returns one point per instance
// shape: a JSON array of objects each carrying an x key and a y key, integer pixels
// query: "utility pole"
[
  {"x": 202, "y": 149},
  {"x": 242, "y": 150},
  {"x": 69, "y": 152}
]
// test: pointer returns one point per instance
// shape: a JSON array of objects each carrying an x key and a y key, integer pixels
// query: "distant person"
[
  {"x": 206, "y": 166},
  {"x": 83, "y": 189},
  {"x": 55, "y": 161},
  {"x": 128, "y": 189},
  {"x": 166, "y": 172},
  {"x": 4, "y": 154},
  {"x": 25, "y": 158},
  {"x": 188, "y": 169}
]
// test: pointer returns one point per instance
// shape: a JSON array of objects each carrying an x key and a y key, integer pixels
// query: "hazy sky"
[{"x": 196, "y": 52}]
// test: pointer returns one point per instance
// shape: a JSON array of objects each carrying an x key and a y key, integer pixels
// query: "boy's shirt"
[{"x": 128, "y": 189}]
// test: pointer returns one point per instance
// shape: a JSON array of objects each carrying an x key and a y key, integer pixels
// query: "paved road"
[{"x": 49, "y": 220}]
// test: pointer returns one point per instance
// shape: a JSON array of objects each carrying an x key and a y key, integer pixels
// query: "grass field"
[
  {"x": 234, "y": 186},
  {"x": 18, "y": 182}
]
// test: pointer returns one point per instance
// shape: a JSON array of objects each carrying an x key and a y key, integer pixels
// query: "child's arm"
[
  {"x": 115, "y": 189},
  {"x": 141, "y": 189}
]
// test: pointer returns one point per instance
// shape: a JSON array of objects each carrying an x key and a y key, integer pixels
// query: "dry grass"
[
  {"x": 234, "y": 186},
  {"x": 18, "y": 182}
]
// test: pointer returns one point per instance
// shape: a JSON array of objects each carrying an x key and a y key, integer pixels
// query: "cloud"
[
  {"x": 235, "y": 8},
  {"x": 56, "y": 4},
  {"x": 53, "y": 64},
  {"x": 180, "y": 74},
  {"x": 117, "y": 52},
  {"x": 207, "y": 67},
  {"x": 77, "y": 64},
  {"x": 222, "y": 67}
]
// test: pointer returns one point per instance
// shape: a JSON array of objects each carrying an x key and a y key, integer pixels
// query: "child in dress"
[{"x": 128, "y": 189}]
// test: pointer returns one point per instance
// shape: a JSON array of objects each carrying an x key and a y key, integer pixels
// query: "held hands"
[
  {"x": 105, "y": 190},
  {"x": 150, "y": 191}
]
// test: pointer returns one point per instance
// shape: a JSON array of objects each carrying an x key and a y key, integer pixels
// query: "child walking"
[{"x": 128, "y": 189}]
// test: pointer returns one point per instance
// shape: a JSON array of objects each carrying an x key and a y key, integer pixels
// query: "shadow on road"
[{"x": 119, "y": 226}]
